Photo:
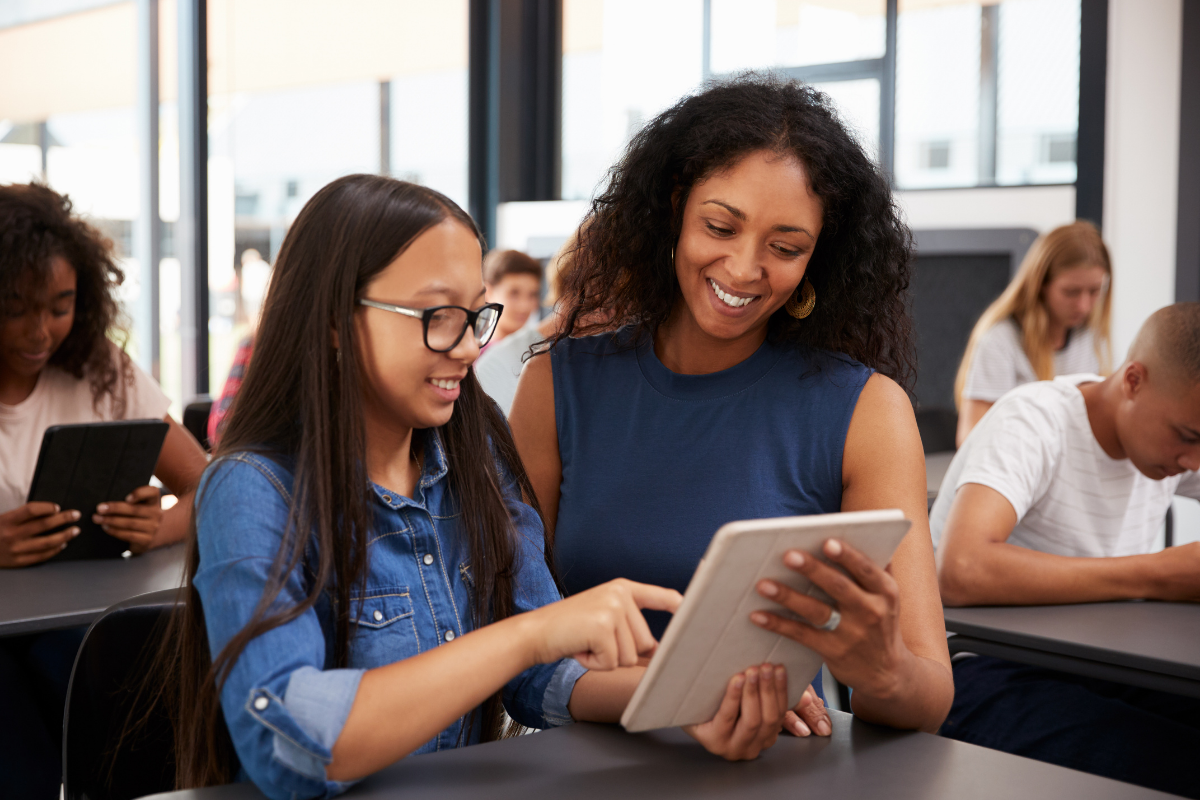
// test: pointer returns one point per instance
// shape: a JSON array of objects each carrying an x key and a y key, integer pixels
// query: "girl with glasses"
[{"x": 368, "y": 577}]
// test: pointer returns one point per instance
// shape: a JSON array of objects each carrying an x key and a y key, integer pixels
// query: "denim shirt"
[{"x": 284, "y": 702}]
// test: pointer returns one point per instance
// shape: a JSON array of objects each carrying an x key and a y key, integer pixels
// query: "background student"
[
  {"x": 1058, "y": 497},
  {"x": 58, "y": 308},
  {"x": 418, "y": 603},
  {"x": 1053, "y": 319},
  {"x": 751, "y": 261},
  {"x": 514, "y": 280}
]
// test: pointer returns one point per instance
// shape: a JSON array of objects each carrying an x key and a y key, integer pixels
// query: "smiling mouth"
[
  {"x": 733, "y": 301},
  {"x": 444, "y": 384}
]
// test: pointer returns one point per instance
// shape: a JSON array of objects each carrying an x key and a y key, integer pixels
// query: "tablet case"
[
  {"x": 711, "y": 638},
  {"x": 81, "y": 466}
]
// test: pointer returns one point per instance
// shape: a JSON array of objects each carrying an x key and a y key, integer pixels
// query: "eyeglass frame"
[{"x": 424, "y": 315}]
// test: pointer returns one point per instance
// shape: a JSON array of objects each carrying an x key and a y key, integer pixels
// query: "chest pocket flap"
[{"x": 383, "y": 607}]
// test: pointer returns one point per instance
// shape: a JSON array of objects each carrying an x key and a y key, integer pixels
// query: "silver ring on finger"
[{"x": 835, "y": 619}]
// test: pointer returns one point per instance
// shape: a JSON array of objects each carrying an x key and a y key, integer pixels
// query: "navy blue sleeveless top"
[{"x": 653, "y": 462}]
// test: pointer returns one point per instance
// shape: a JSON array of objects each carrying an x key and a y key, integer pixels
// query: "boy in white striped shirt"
[{"x": 1057, "y": 496}]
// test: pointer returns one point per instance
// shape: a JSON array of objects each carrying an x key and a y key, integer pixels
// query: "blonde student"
[
  {"x": 1053, "y": 319},
  {"x": 369, "y": 577}
]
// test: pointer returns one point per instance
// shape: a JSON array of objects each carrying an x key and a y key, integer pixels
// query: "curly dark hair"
[
  {"x": 860, "y": 266},
  {"x": 37, "y": 224}
]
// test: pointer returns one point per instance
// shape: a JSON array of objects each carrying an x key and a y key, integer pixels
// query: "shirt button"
[
  {"x": 449, "y": 636},
  {"x": 261, "y": 703},
  {"x": 428, "y": 559},
  {"x": 378, "y": 616}
]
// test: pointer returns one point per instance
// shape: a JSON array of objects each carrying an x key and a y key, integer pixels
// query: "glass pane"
[
  {"x": 943, "y": 92},
  {"x": 67, "y": 118},
  {"x": 298, "y": 99},
  {"x": 1038, "y": 105},
  {"x": 857, "y": 103},
  {"x": 758, "y": 34},
  {"x": 623, "y": 62}
]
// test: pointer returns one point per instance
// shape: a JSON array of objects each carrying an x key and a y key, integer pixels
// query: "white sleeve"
[
  {"x": 1189, "y": 486},
  {"x": 1015, "y": 450},
  {"x": 993, "y": 371},
  {"x": 145, "y": 398}
]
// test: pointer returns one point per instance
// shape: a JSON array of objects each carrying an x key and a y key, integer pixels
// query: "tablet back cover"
[{"x": 711, "y": 637}]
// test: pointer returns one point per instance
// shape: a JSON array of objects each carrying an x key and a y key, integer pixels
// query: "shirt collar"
[{"x": 435, "y": 468}]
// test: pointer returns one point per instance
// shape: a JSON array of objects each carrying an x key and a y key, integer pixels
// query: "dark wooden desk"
[
  {"x": 1147, "y": 644},
  {"x": 603, "y": 762},
  {"x": 70, "y": 593}
]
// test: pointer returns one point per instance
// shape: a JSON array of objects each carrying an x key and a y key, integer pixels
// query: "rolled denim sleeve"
[
  {"x": 538, "y": 697},
  {"x": 283, "y": 708}
]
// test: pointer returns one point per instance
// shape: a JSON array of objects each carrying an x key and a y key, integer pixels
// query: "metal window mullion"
[
  {"x": 148, "y": 232},
  {"x": 989, "y": 95},
  {"x": 887, "y": 94},
  {"x": 193, "y": 195}
]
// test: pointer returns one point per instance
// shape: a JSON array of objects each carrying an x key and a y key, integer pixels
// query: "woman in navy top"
[
  {"x": 735, "y": 347},
  {"x": 365, "y": 580}
]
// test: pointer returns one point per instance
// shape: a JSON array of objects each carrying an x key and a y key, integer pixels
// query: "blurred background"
[{"x": 192, "y": 132}]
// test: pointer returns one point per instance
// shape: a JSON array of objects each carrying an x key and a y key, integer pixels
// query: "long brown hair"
[
  {"x": 297, "y": 403},
  {"x": 37, "y": 224},
  {"x": 1062, "y": 249}
]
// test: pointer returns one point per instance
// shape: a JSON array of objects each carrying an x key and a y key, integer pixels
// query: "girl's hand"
[
  {"x": 135, "y": 521},
  {"x": 809, "y": 716},
  {"x": 602, "y": 628},
  {"x": 750, "y": 716},
  {"x": 21, "y": 542},
  {"x": 866, "y": 650}
]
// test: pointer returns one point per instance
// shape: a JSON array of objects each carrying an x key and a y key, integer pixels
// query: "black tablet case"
[{"x": 81, "y": 466}]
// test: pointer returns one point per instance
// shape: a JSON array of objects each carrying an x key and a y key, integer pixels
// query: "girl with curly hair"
[
  {"x": 737, "y": 345},
  {"x": 58, "y": 306}
]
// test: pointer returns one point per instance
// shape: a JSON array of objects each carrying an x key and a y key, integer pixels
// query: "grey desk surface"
[
  {"x": 600, "y": 761},
  {"x": 62, "y": 595},
  {"x": 1161, "y": 638}
]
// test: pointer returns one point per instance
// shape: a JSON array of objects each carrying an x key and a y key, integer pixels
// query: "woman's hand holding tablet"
[
  {"x": 136, "y": 521},
  {"x": 22, "y": 539},
  {"x": 864, "y": 647}
]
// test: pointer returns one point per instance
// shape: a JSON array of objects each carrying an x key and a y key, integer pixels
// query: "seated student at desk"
[
  {"x": 58, "y": 305},
  {"x": 1053, "y": 319},
  {"x": 1058, "y": 497},
  {"x": 734, "y": 334},
  {"x": 417, "y": 604}
]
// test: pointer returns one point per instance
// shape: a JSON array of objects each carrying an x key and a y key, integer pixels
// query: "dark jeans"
[
  {"x": 1134, "y": 735},
  {"x": 34, "y": 672}
]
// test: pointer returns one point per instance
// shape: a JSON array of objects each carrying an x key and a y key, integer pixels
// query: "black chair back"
[
  {"x": 195, "y": 419},
  {"x": 108, "y": 669},
  {"x": 937, "y": 427}
]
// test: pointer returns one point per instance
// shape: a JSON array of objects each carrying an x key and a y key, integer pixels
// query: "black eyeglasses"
[{"x": 445, "y": 326}]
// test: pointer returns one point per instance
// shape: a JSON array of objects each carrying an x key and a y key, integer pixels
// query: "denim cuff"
[
  {"x": 558, "y": 692},
  {"x": 317, "y": 703}
]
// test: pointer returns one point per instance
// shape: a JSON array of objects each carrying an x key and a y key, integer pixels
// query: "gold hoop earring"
[{"x": 802, "y": 307}]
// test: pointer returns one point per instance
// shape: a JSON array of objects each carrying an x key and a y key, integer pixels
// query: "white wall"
[
  {"x": 1141, "y": 163},
  {"x": 1037, "y": 207}
]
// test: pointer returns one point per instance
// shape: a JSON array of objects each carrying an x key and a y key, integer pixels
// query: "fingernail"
[
  {"x": 57, "y": 508},
  {"x": 800, "y": 728},
  {"x": 758, "y": 618},
  {"x": 767, "y": 589},
  {"x": 780, "y": 673},
  {"x": 738, "y": 681},
  {"x": 97, "y": 518},
  {"x": 833, "y": 547},
  {"x": 823, "y": 728},
  {"x": 74, "y": 532},
  {"x": 76, "y": 515},
  {"x": 102, "y": 508},
  {"x": 767, "y": 674},
  {"x": 752, "y": 675},
  {"x": 129, "y": 499},
  {"x": 794, "y": 559}
]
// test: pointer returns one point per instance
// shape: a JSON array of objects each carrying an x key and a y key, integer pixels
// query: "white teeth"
[
  {"x": 444, "y": 384},
  {"x": 728, "y": 299}
]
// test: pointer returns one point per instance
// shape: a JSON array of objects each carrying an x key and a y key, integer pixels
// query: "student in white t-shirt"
[
  {"x": 1053, "y": 319},
  {"x": 1057, "y": 497},
  {"x": 58, "y": 305}
]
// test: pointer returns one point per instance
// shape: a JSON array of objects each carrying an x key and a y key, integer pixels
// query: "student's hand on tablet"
[
  {"x": 865, "y": 648},
  {"x": 602, "y": 628},
  {"x": 135, "y": 521},
  {"x": 21, "y": 542},
  {"x": 750, "y": 716},
  {"x": 809, "y": 716}
]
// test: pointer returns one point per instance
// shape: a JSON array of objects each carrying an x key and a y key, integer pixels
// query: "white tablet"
[{"x": 711, "y": 638}]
